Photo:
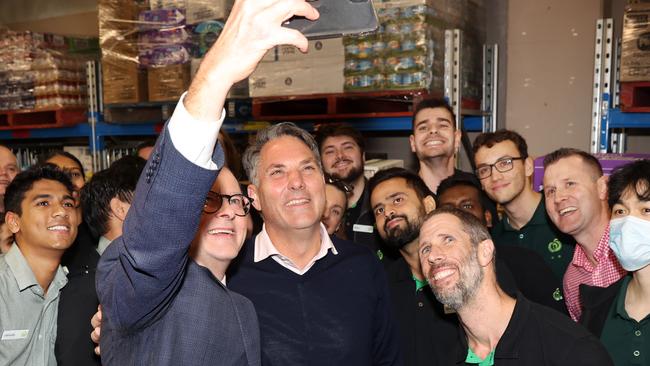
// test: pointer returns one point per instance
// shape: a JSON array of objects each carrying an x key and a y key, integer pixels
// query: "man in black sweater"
[
  {"x": 320, "y": 300},
  {"x": 457, "y": 259}
]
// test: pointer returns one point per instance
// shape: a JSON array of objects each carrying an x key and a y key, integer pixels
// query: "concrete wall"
[{"x": 550, "y": 46}]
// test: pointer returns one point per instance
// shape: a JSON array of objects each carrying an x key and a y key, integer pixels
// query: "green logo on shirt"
[
  {"x": 380, "y": 255},
  {"x": 557, "y": 295},
  {"x": 555, "y": 246}
]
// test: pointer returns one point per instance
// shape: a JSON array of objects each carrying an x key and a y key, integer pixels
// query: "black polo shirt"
[
  {"x": 537, "y": 335},
  {"x": 426, "y": 332}
]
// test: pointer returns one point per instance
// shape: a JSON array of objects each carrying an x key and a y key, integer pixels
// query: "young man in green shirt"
[{"x": 505, "y": 171}]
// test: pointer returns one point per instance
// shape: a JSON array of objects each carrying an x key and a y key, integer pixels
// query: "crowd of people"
[{"x": 171, "y": 261}]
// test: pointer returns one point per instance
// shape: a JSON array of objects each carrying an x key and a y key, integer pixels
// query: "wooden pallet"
[
  {"x": 396, "y": 103},
  {"x": 42, "y": 118},
  {"x": 635, "y": 96}
]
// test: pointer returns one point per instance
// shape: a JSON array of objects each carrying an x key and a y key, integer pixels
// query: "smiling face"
[
  {"x": 449, "y": 260},
  {"x": 504, "y": 187},
  {"x": 342, "y": 158},
  {"x": 398, "y": 211},
  {"x": 574, "y": 195},
  {"x": 8, "y": 168},
  {"x": 335, "y": 205},
  {"x": 222, "y": 233},
  {"x": 434, "y": 134},
  {"x": 291, "y": 187},
  {"x": 48, "y": 220}
]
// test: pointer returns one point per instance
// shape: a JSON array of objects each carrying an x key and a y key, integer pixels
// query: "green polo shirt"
[
  {"x": 627, "y": 340},
  {"x": 540, "y": 235}
]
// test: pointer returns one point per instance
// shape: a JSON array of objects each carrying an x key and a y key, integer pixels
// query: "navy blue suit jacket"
[{"x": 159, "y": 306}]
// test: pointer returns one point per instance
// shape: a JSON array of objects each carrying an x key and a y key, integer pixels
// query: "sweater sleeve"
[{"x": 385, "y": 342}]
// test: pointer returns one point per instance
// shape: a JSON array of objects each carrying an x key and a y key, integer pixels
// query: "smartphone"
[{"x": 337, "y": 18}]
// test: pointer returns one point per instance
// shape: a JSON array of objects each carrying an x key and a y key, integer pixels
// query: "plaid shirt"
[{"x": 606, "y": 271}]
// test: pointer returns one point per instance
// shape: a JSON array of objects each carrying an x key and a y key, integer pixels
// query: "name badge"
[
  {"x": 12, "y": 335},
  {"x": 363, "y": 228}
]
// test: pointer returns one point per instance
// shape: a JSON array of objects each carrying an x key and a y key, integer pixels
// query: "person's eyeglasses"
[
  {"x": 239, "y": 203},
  {"x": 502, "y": 165},
  {"x": 339, "y": 183}
]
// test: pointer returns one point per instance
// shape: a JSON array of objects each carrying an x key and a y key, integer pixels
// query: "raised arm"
[{"x": 140, "y": 272}]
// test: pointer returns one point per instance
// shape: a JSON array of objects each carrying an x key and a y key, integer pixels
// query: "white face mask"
[{"x": 629, "y": 238}]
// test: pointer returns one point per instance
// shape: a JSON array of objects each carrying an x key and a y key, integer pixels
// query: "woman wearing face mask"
[{"x": 620, "y": 313}]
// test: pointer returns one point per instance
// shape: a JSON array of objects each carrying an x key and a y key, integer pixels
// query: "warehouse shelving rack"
[
  {"x": 96, "y": 130},
  {"x": 608, "y": 122}
]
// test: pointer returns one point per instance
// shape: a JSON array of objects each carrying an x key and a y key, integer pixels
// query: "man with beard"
[
  {"x": 342, "y": 150},
  {"x": 400, "y": 200},
  {"x": 435, "y": 142},
  {"x": 505, "y": 171},
  {"x": 457, "y": 257}
]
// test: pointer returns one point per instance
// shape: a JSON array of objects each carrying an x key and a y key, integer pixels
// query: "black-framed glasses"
[
  {"x": 239, "y": 203},
  {"x": 348, "y": 189},
  {"x": 502, "y": 165}
]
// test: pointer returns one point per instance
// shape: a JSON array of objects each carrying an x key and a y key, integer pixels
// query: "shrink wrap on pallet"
[{"x": 635, "y": 53}]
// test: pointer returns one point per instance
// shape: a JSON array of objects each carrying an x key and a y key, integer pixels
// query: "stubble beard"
[{"x": 465, "y": 289}]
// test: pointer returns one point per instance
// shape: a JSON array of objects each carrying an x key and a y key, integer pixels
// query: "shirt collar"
[
  {"x": 620, "y": 299},
  {"x": 507, "y": 347},
  {"x": 103, "y": 244},
  {"x": 264, "y": 247},
  {"x": 538, "y": 218},
  {"x": 23, "y": 272},
  {"x": 602, "y": 252}
]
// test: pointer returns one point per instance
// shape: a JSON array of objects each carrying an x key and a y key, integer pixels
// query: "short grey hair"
[
  {"x": 471, "y": 225},
  {"x": 251, "y": 158}
]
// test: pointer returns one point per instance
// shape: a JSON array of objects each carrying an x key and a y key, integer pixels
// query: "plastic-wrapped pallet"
[
  {"x": 154, "y": 43},
  {"x": 37, "y": 71},
  {"x": 407, "y": 51}
]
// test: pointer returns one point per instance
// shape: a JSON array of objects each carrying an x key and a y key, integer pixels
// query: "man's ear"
[
  {"x": 13, "y": 221},
  {"x": 412, "y": 143},
  {"x": 601, "y": 184},
  {"x": 429, "y": 204},
  {"x": 485, "y": 252},
  {"x": 119, "y": 208},
  {"x": 252, "y": 193},
  {"x": 529, "y": 166},
  {"x": 457, "y": 138},
  {"x": 488, "y": 218}
]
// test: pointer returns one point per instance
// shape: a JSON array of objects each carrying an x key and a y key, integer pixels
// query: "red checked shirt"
[{"x": 606, "y": 271}]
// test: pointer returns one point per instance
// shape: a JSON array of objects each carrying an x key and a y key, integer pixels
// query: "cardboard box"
[
  {"x": 318, "y": 49},
  {"x": 311, "y": 76},
  {"x": 608, "y": 162},
  {"x": 123, "y": 82},
  {"x": 237, "y": 91},
  {"x": 196, "y": 11},
  {"x": 167, "y": 83},
  {"x": 635, "y": 53},
  {"x": 372, "y": 166}
]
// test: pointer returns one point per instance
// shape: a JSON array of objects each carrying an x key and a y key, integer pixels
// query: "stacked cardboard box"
[
  {"x": 635, "y": 53},
  {"x": 39, "y": 70},
  {"x": 285, "y": 70},
  {"x": 148, "y": 46}
]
